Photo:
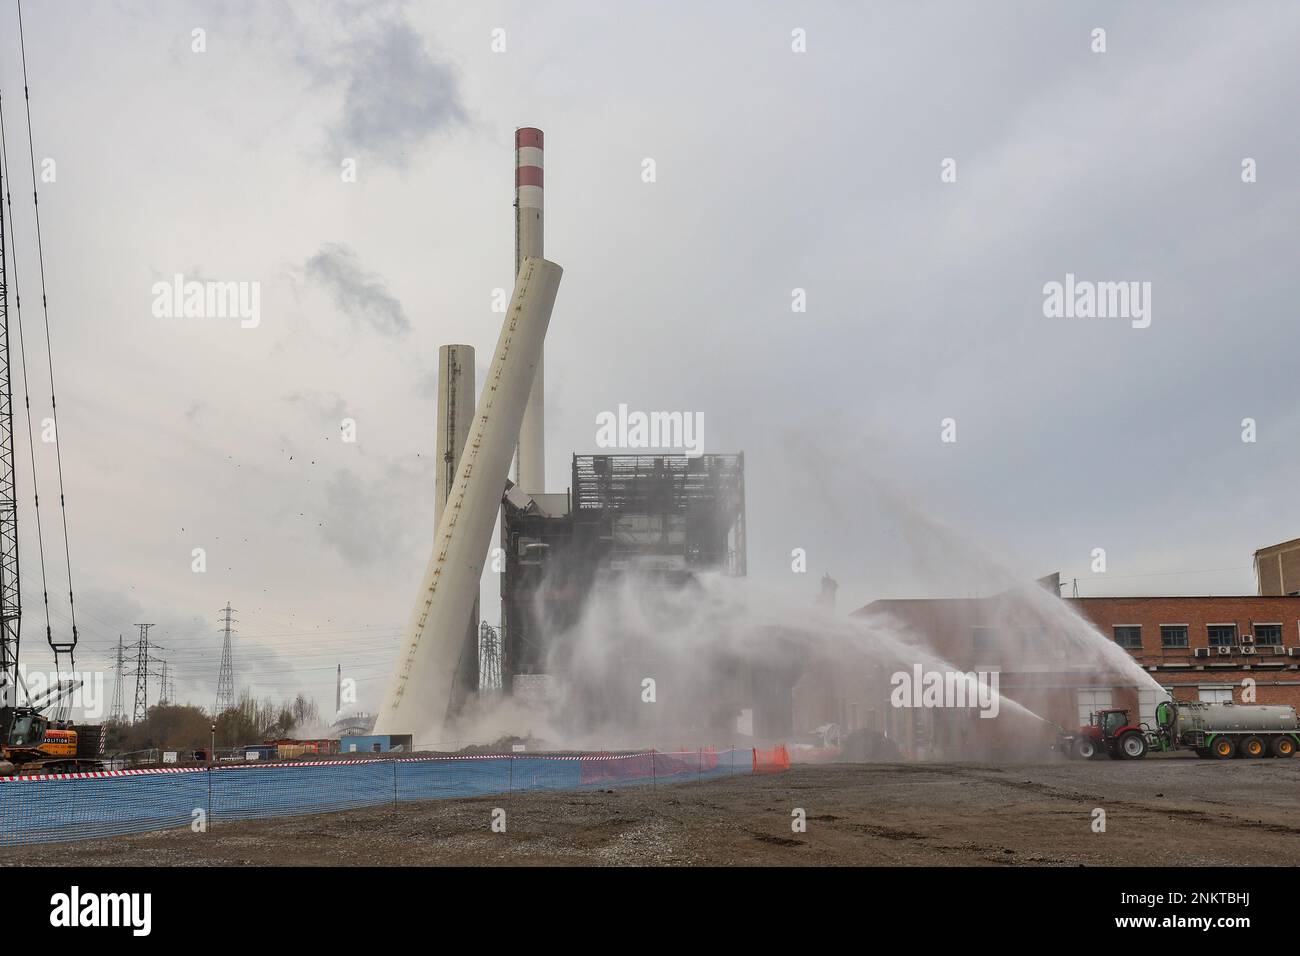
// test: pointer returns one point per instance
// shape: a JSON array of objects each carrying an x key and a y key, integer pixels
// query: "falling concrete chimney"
[
  {"x": 455, "y": 415},
  {"x": 531, "y": 470},
  {"x": 418, "y": 699}
]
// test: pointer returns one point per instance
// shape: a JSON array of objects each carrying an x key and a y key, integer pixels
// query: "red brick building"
[{"x": 1208, "y": 648}]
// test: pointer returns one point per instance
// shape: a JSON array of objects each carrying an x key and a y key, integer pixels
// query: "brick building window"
[
  {"x": 1129, "y": 636},
  {"x": 1222, "y": 635},
  {"x": 1173, "y": 635},
  {"x": 1268, "y": 634}
]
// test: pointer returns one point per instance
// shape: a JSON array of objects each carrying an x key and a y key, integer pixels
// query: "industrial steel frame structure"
[{"x": 664, "y": 518}]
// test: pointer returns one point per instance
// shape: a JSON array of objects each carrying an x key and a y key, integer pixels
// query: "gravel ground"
[{"x": 1160, "y": 811}]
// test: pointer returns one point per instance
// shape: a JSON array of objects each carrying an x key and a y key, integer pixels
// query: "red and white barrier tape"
[
  {"x": 89, "y": 774},
  {"x": 93, "y": 774}
]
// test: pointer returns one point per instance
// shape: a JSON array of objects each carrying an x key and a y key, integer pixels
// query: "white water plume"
[{"x": 648, "y": 664}]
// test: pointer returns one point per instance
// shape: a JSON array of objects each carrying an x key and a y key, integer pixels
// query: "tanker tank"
[{"x": 1224, "y": 729}]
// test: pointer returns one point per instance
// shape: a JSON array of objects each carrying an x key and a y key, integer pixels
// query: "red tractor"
[{"x": 1109, "y": 732}]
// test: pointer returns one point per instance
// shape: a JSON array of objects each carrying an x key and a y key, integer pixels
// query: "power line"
[
  {"x": 13, "y": 618},
  {"x": 1161, "y": 574},
  {"x": 66, "y": 647}
]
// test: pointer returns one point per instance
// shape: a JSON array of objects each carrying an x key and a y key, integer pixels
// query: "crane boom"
[
  {"x": 59, "y": 692},
  {"x": 10, "y": 603}
]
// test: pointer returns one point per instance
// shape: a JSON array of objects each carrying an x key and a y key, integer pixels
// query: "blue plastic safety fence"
[{"x": 62, "y": 807}]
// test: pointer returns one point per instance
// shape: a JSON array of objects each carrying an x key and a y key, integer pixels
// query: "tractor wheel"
[
  {"x": 1202, "y": 752},
  {"x": 1132, "y": 746},
  {"x": 1085, "y": 748},
  {"x": 1223, "y": 748},
  {"x": 1253, "y": 747},
  {"x": 1283, "y": 747}
]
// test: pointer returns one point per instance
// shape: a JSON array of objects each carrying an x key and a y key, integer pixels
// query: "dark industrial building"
[
  {"x": 655, "y": 520},
  {"x": 663, "y": 518}
]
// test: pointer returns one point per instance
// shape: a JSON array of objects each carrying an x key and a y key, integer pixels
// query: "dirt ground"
[{"x": 1159, "y": 811}]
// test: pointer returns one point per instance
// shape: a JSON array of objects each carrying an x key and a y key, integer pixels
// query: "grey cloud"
[
  {"x": 361, "y": 295},
  {"x": 395, "y": 93},
  {"x": 398, "y": 94}
]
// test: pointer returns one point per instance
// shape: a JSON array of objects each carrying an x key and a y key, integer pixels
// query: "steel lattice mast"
[
  {"x": 489, "y": 655},
  {"x": 10, "y": 603},
  {"x": 141, "y": 709},
  {"x": 118, "y": 714},
  {"x": 226, "y": 676}
]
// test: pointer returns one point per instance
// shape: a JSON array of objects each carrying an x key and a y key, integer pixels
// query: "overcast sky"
[{"x": 776, "y": 170}]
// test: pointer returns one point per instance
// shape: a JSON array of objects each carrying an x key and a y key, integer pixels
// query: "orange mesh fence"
[{"x": 771, "y": 761}]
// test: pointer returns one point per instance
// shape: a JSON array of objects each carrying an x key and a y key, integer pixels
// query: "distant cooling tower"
[{"x": 421, "y": 689}]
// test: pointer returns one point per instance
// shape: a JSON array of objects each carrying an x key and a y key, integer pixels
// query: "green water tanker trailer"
[
  {"x": 1225, "y": 730},
  {"x": 1209, "y": 729}
]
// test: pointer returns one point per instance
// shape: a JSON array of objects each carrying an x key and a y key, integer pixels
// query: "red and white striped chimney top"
[{"x": 528, "y": 166}]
